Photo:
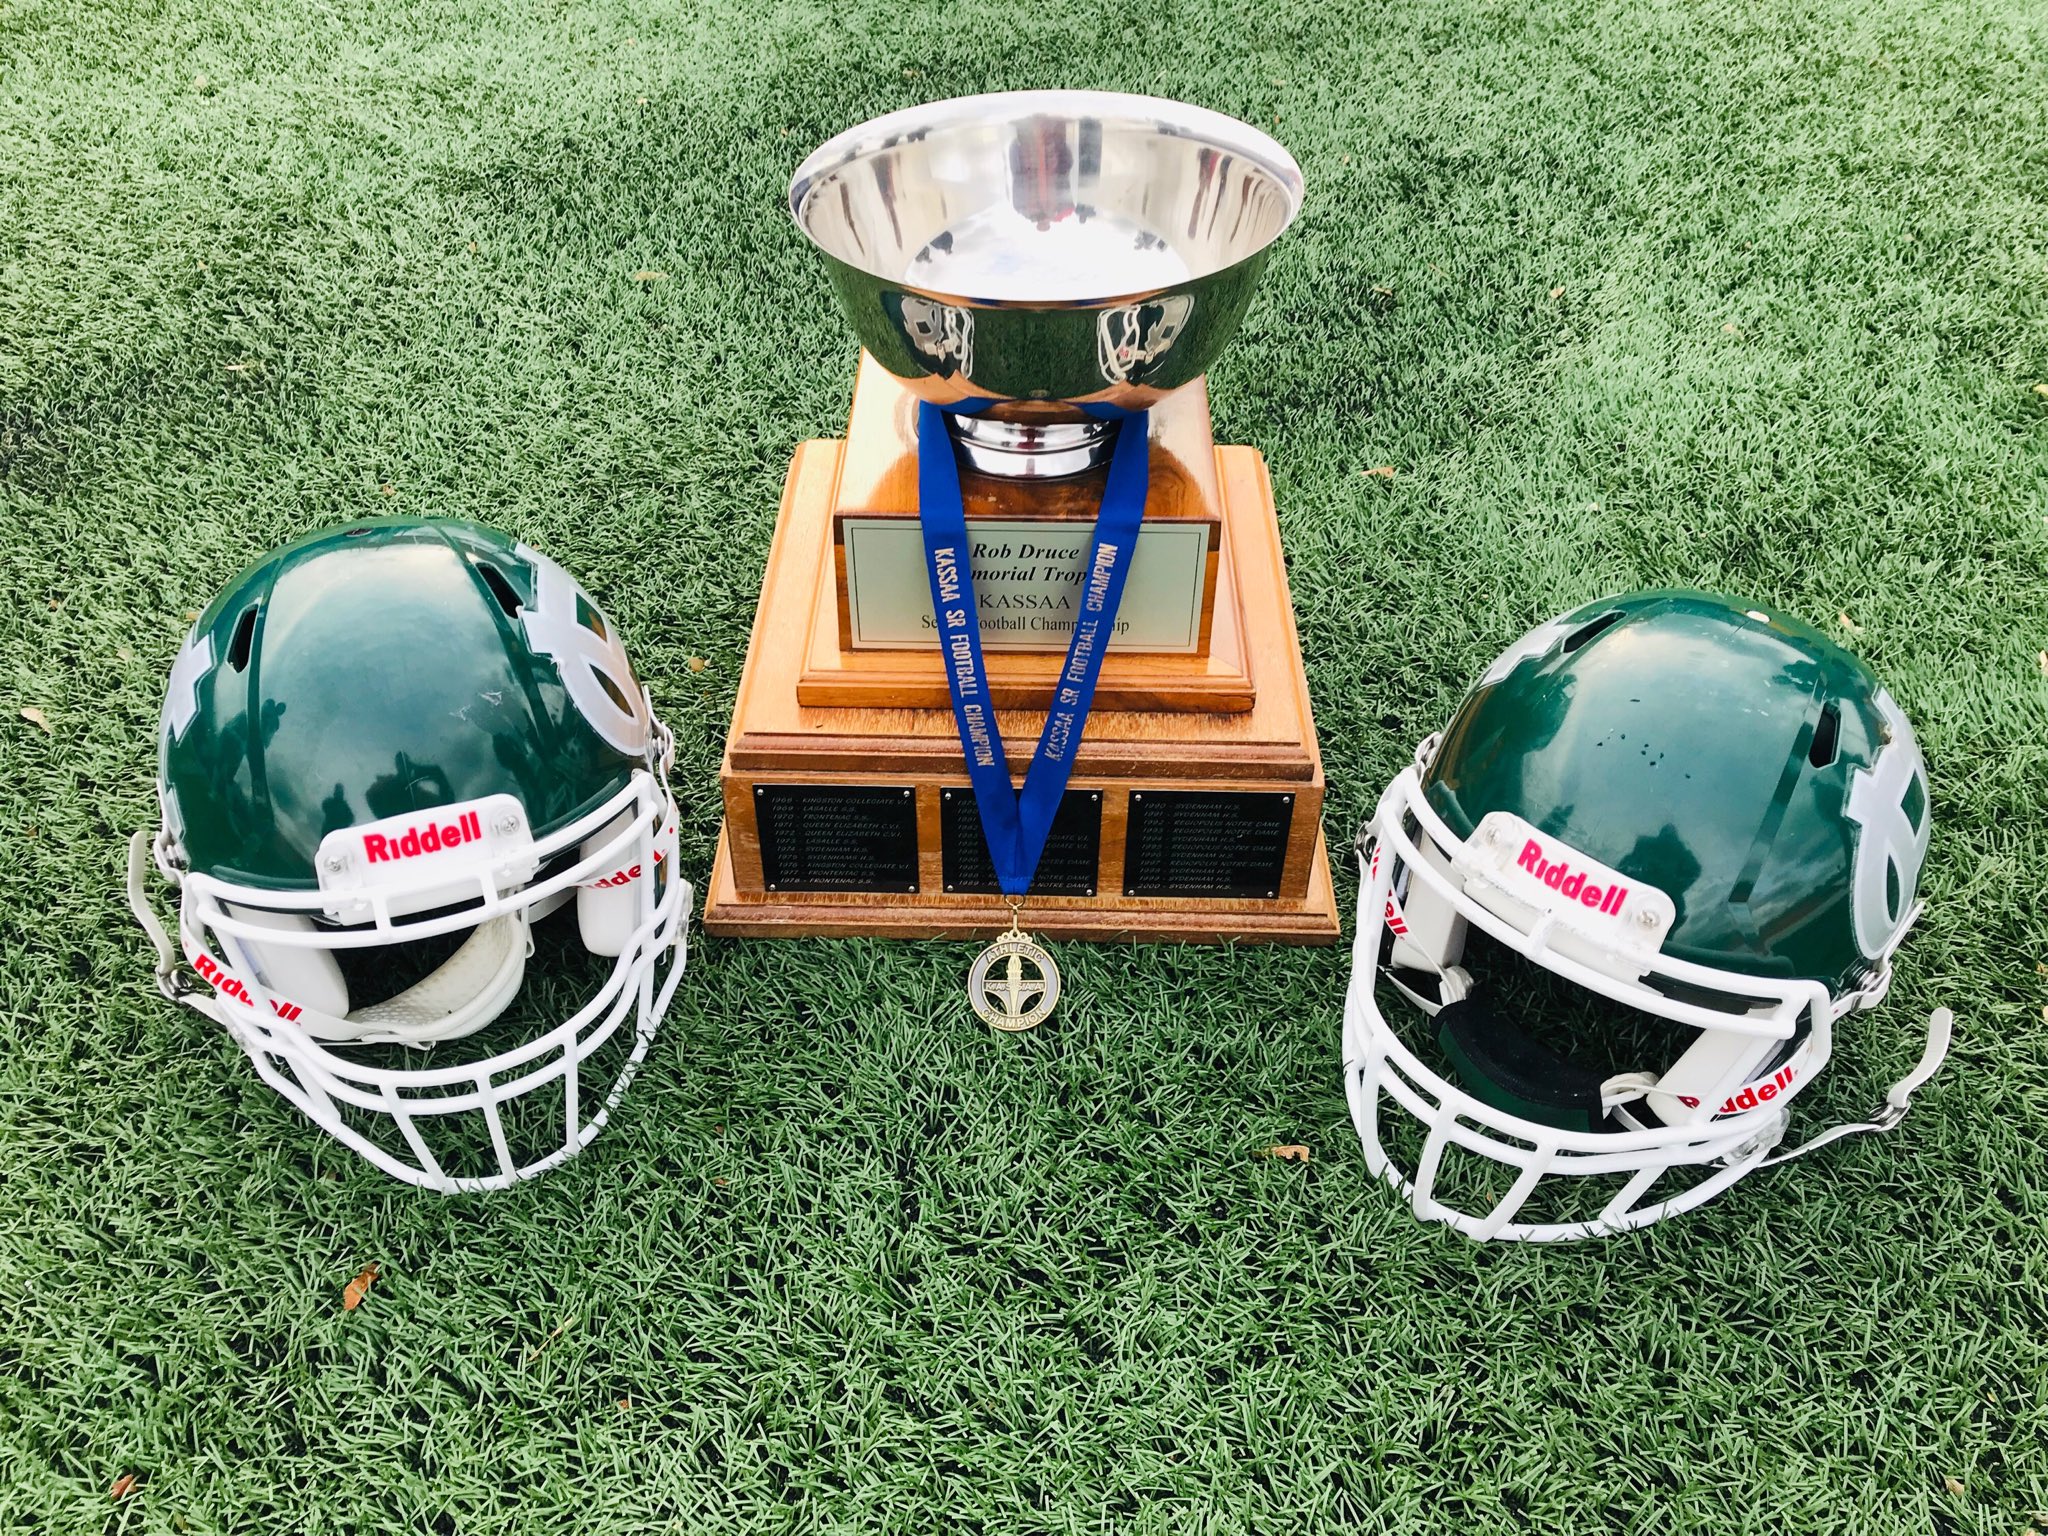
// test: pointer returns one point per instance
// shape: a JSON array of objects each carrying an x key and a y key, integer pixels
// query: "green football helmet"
[
  {"x": 388, "y": 752},
  {"x": 1701, "y": 810}
]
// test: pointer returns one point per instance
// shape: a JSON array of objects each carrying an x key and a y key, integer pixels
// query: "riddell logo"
[
  {"x": 1396, "y": 924},
  {"x": 228, "y": 984},
  {"x": 415, "y": 841},
  {"x": 1568, "y": 882},
  {"x": 621, "y": 876},
  {"x": 1752, "y": 1097}
]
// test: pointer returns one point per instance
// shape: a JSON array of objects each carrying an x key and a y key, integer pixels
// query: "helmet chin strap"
[
  {"x": 1940, "y": 1027},
  {"x": 169, "y": 979}
]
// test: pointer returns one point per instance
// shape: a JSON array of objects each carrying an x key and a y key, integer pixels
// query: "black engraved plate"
[
  {"x": 1203, "y": 843},
  {"x": 837, "y": 837},
  {"x": 1072, "y": 850}
]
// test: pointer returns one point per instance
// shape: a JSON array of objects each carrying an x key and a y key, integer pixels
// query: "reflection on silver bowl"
[{"x": 1048, "y": 258}]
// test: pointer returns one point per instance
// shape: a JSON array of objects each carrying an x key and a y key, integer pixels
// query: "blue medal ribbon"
[{"x": 1017, "y": 825}]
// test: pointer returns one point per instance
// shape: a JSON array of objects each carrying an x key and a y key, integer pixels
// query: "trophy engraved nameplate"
[
  {"x": 837, "y": 837},
  {"x": 1028, "y": 578},
  {"x": 1196, "y": 844},
  {"x": 1070, "y": 866},
  {"x": 1025, "y": 655}
]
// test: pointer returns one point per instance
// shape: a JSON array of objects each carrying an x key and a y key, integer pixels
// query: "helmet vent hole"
[
  {"x": 501, "y": 589},
  {"x": 1588, "y": 631},
  {"x": 244, "y": 638},
  {"x": 1827, "y": 732},
  {"x": 612, "y": 688}
]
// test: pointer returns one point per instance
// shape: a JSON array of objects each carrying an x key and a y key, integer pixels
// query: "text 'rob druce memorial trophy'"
[{"x": 1024, "y": 655}]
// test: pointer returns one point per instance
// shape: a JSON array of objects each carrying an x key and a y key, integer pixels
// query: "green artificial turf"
[{"x": 1749, "y": 296}]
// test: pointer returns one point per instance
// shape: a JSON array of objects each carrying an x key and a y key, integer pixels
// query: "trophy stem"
[{"x": 1045, "y": 450}]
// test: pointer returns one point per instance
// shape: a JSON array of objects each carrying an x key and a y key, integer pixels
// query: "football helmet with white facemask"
[
  {"x": 389, "y": 751},
  {"x": 1617, "y": 907}
]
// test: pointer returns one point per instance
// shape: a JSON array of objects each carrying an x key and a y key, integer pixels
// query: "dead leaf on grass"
[
  {"x": 1848, "y": 623},
  {"x": 1290, "y": 1153},
  {"x": 353, "y": 1293},
  {"x": 561, "y": 1328},
  {"x": 1954, "y": 1485},
  {"x": 649, "y": 275},
  {"x": 1557, "y": 292},
  {"x": 35, "y": 716},
  {"x": 697, "y": 663},
  {"x": 123, "y": 1486},
  {"x": 1380, "y": 472}
]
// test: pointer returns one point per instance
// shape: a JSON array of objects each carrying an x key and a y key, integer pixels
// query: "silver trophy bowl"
[{"x": 1040, "y": 262}]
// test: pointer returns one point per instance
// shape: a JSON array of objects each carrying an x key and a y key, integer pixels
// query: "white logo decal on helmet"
[
  {"x": 181, "y": 700},
  {"x": 593, "y": 665},
  {"x": 1889, "y": 848},
  {"x": 1535, "y": 643}
]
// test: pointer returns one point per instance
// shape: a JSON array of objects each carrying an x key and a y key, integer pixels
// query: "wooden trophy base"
[{"x": 1186, "y": 818}]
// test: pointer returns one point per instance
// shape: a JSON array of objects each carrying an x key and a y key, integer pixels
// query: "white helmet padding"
[
  {"x": 1429, "y": 935},
  {"x": 310, "y": 976},
  {"x": 461, "y": 995},
  {"x": 606, "y": 908}
]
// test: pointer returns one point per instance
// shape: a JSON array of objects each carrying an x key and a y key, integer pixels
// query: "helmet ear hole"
[{"x": 296, "y": 973}]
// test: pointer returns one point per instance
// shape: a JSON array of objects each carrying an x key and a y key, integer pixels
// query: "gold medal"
[{"x": 1014, "y": 984}]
